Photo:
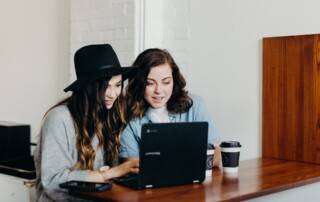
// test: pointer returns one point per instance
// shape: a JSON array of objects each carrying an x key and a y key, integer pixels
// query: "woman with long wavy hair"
[
  {"x": 157, "y": 94},
  {"x": 80, "y": 136}
]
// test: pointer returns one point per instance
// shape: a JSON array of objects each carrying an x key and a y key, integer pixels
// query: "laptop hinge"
[
  {"x": 149, "y": 186},
  {"x": 196, "y": 181}
]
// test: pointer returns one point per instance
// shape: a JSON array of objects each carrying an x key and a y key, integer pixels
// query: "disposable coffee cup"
[
  {"x": 230, "y": 153},
  {"x": 210, "y": 155}
]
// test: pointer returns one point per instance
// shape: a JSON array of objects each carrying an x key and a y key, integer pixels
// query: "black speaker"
[{"x": 14, "y": 140}]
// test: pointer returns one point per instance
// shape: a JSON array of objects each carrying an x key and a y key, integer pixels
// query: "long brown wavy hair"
[
  {"x": 179, "y": 101},
  {"x": 91, "y": 117}
]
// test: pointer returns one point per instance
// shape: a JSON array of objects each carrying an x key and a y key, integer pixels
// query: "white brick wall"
[
  {"x": 103, "y": 21},
  {"x": 164, "y": 24}
]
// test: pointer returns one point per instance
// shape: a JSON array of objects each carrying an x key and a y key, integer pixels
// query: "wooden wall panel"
[{"x": 290, "y": 128}]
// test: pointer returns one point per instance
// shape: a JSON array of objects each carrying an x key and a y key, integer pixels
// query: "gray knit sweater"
[{"x": 56, "y": 153}]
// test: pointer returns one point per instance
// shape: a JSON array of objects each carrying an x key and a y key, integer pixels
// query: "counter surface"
[{"x": 256, "y": 177}]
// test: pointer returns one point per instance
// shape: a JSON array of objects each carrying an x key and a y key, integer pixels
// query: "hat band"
[{"x": 85, "y": 76}]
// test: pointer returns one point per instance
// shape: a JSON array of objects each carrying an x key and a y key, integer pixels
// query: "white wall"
[
  {"x": 167, "y": 25},
  {"x": 34, "y": 58},
  {"x": 226, "y": 58}
]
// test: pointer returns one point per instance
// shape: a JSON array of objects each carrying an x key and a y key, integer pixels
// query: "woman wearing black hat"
[{"x": 80, "y": 135}]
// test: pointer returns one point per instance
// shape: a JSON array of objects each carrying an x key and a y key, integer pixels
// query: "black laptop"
[{"x": 170, "y": 154}]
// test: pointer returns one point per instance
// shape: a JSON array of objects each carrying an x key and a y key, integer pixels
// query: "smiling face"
[
  {"x": 159, "y": 86},
  {"x": 113, "y": 90}
]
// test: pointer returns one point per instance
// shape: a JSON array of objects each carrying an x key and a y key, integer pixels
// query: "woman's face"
[
  {"x": 113, "y": 90},
  {"x": 159, "y": 86}
]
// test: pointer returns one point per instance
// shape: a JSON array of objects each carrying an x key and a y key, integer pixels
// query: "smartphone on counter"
[{"x": 84, "y": 186}]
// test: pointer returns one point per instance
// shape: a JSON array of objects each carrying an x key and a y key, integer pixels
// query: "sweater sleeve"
[
  {"x": 201, "y": 113},
  {"x": 56, "y": 156},
  {"x": 129, "y": 141}
]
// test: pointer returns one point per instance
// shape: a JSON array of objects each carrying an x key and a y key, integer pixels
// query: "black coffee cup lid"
[{"x": 230, "y": 144}]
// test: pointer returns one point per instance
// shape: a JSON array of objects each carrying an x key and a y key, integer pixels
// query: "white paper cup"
[{"x": 209, "y": 166}]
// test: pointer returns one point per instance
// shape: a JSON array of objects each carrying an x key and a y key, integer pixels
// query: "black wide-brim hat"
[{"x": 94, "y": 62}]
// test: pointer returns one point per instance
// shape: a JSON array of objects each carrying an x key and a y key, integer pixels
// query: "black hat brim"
[{"x": 126, "y": 73}]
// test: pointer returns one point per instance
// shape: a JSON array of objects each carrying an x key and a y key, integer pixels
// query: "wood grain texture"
[
  {"x": 291, "y": 98},
  {"x": 256, "y": 177}
]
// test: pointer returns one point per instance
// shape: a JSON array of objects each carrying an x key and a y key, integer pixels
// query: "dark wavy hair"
[
  {"x": 91, "y": 117},
  {"x": 179, "y": 101}
]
